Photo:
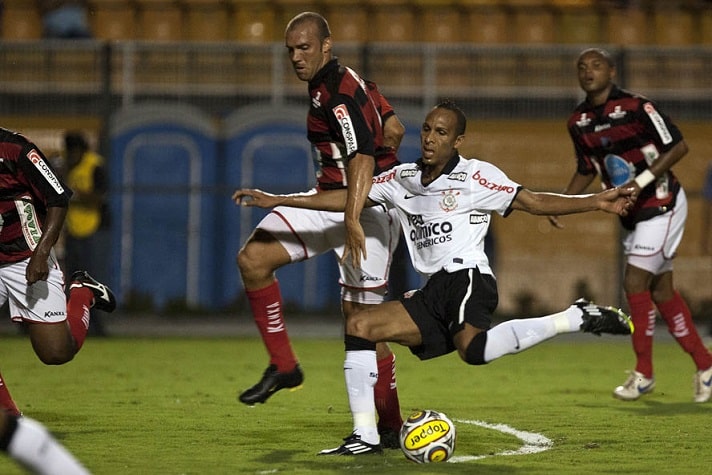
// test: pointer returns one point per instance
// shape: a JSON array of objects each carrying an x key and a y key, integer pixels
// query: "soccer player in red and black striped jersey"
[
  {"x": 33, "y": 205},
  {"x": 354, "y": 133},
  {"x": 627, "y": 140}
]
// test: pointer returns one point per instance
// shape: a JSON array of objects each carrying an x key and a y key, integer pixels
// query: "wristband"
[{"x": 644, "y": 179}]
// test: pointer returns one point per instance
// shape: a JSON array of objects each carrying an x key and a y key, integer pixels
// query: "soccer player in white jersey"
[{"x": 444, "y": 203}]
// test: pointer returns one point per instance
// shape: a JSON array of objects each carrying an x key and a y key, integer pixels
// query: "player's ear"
[
  {"x": 326, "y": 45},
  {"x": 459, "y": 140}
]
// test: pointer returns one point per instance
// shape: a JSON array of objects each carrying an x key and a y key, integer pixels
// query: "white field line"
[{"x": 533, "y": 442}]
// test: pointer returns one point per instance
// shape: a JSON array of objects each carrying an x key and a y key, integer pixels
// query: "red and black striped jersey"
[
  {"x": 28, "y": 186},
  {"x": 346, "y": 117},
  {"x": 621, "y": 138}
]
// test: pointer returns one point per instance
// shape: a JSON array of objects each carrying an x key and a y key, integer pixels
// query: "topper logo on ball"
[{"x": 426, "y": 434}]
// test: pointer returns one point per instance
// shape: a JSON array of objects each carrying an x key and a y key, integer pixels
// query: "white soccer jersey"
[{"x": 445, "y": 222}]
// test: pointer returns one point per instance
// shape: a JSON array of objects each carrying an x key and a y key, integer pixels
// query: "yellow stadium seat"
[
  {"x": 206, "y": 20},
  {"x": 577, "y": 25},
  {"x": 160, "y": 20},
  {"x": 288, "y": 9},
  {"x": 440, "y": 21},
  {"x": 20, "y": 20},
  {"x": 486, "y": 22},
  {"x": 113, "y": 19},
  {"x": 392, "y": 21},
  {"x": 533, "y": 24},
  {"x": 706, "y": 26},
  {"x": 627, "y": 26},
  {"x": 348, "y": 20},
  {"x": 674, "y": 27},
  {"x": 253, "y": 21},
  {"x": 572, "y": 3}
]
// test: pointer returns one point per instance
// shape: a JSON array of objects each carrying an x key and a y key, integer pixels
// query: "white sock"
[
  {"x": 361, "y": 373},
  {"x": 514, "y": 336},
  {"x": 35, "y": 448}
]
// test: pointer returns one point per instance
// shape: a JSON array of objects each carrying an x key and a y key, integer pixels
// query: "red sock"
[
  {"x": 679, "y": 321},
  {"x": 266, "y": 304},
  {"x": 385, "y": 394},
  {"x": 80, "y": 299},
  {"x": 6, "y": 402},
  {"x": 642, "y": 312}
]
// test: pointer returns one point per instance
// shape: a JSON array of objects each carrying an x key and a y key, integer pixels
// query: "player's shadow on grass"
[
  {"x": 653, "y": 407},
  {"x": 661, "y": 408},
  {"x": 391, "y": 462}
]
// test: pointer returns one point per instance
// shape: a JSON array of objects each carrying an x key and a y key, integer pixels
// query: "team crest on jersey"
[
  {"x": 583, "y": 120},
  {"x": 617, "y": 113},
  {"x": 449, "y": 201}
]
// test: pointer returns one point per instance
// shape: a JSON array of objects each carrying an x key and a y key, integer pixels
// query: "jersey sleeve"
[
  {"x": 383, "y": 189},
  {"x": 492, "y": 189},
  {"x": 41, "y": 178},
  {"x": 663, "y": 131},
  {"x": 357, "y": 134}
]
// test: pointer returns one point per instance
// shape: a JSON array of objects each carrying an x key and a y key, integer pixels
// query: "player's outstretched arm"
[
  {"x": 576, "y": 186},
  {"x": 332, "y": 200},
  {"x": 615, "y": 200}
]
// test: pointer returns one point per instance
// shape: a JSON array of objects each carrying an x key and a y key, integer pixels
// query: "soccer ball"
[{"x": 427, "y": 436}]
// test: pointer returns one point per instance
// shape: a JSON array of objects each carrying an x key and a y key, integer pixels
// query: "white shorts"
[
  {"x": 652, "y": 245},
  {"x": 306, "y": 233},
  {"x": 41, "y": 302}
]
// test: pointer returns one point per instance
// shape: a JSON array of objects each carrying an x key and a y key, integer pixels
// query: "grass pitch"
[{"x": 168, "y": 406}]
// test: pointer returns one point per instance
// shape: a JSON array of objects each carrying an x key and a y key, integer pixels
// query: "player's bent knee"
[
  {"x": 257, "y": 260},
  {"x": 475, "y": 352},
  {"x": 53, "y": 343},
  {"x": 357, "y": 326},
  {"x": 55, "y": 358}
]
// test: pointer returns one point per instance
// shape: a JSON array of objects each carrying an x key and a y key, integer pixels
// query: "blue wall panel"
[
  {"x": 163, "y": 173},
  {"x": 266, "y": 147}
]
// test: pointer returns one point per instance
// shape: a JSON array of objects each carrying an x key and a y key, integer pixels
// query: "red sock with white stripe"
[
  {"x": 642, "y": 313},
  {"x": 78, "y": 313},
  {"x": 266, "y": 305},
  {"x": 677, "y": 315},
  {"x": 385, "y": 393}
]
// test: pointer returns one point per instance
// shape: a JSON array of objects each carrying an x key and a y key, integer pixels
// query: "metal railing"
[{"x": 88, "y": 77}]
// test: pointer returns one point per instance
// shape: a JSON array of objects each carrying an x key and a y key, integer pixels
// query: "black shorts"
[{"x": 447, "y": 301}]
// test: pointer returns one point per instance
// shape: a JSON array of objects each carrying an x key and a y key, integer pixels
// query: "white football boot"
[
  {"x": 703, "y": 385},
  {"x": 635, "y": 386}
]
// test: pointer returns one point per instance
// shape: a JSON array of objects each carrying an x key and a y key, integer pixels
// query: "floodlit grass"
[{"x": 168, "y": 406}]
